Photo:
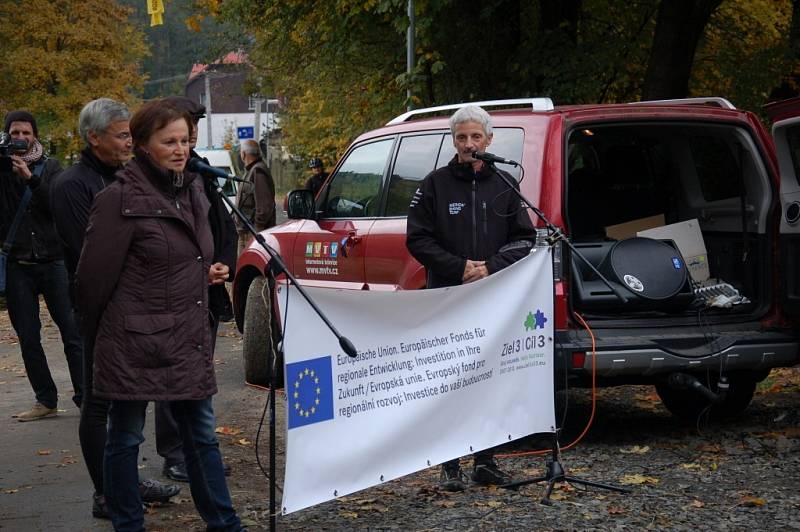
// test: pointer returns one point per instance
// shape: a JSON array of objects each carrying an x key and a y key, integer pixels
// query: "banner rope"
[{"x": 594, "y": 401}]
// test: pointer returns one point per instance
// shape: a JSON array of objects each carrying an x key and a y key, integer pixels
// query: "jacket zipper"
[
  {"x": 485, "y": 220},
  {"x": 474, "y": 221}
]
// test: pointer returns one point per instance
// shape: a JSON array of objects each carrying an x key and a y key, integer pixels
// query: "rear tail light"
[{"x": 578, "y": 359}]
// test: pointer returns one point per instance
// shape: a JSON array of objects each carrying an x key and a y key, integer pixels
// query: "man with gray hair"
[
  {"x": 103, "y": 125},
  {"x": 463, "y": 225},
  {"x": 256, "y": 196}
]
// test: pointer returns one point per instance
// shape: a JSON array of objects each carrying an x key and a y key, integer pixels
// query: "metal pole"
[
  {"x": 257, "y": 128},
  {"x": 410, "y": 51},
  {"x": 209, "y": 140}
]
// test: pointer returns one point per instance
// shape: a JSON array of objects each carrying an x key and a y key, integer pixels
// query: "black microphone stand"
[
  {"x": 276, "y": 267},
  {"x": 554, "y": 470}
]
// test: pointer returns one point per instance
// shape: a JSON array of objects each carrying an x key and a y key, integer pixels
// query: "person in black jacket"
[
  {"x": 36, "y": 266},
  {"x": 223, "y": 231},
  {"x": 463, "y": 225},
  {"x": 104, "y": 126},
  {"x": 318, "y": 175}
]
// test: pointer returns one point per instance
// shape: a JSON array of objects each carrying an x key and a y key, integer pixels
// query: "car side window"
[
  {"x": 416, "y": 158},
  {"x": 506, "y": 142},
  {"x": 354, "y": 192}
]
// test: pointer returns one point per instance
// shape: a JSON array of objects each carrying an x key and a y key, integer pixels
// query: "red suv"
[{"x": 694, "y": 181}]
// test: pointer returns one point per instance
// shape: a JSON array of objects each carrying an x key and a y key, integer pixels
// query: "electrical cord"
[{"x": 594, "y": 401}]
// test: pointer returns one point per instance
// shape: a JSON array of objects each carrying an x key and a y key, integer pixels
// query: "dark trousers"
[
  {"x": 203, "y": 464},
  {"x": 24, "y": 284}
]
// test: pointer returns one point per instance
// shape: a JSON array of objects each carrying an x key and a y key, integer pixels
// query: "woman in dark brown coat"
[{"x": 142, "y": 292}]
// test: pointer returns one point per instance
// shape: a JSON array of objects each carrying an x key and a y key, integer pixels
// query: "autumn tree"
[
  {"x": 60, "y": 54},
  {"x": 340, "y": 64}
]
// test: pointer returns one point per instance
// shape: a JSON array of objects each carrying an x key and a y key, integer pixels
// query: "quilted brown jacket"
[{"x": 142, "y": 288}]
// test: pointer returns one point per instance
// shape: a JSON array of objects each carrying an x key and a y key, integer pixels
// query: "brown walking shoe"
[{"x": 38, "y": 411}]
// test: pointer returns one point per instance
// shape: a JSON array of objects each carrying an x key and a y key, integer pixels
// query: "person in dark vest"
[
  {"x": 256, "y": 196},
  {"x": 35, "y": 266},
  {"x": 103, "y": 124}
]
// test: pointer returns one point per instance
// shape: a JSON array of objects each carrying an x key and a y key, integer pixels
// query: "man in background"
[
  {"x": 256, "y": 195},
  {"x": 35, "y": 266}
]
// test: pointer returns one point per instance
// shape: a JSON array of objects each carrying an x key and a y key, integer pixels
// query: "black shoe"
[
  {"x": 451, "y": 478},
  {"x": 176, "y": 472},
  {"x": 488, "y": 474},
  {"x": 154, "y": 491},
  {"x": 99, "y": 508}
]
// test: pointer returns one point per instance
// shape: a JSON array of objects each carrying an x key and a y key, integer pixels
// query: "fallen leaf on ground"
[
  {"x": 615, "y": 510},
  {"x": 43, "y": 452},
  {"x": 348, "y": 515},
  {"x": 243, "y": 441},
  {"x": 636, "y": 449},
  {"x": 9, "y": 492},
  {"x": 691, "y": 466},
  {"x": 752, "y": 502},
  {"x": 638, "y": 479},
  {"x": 697, "y": 504},
  {"x": 228, "y": 431},
  {"x": 446, "y": 504}
]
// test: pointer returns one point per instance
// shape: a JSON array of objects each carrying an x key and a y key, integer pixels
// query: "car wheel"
[
  {"x": 688, "y": 404},
  {"x": 257, "y": 348}
]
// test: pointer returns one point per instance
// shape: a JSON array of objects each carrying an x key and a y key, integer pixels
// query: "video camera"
[{"x": 9, "y": 147}]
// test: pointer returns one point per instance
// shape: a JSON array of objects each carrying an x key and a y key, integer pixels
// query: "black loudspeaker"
[{"x": 651, "y": 272}]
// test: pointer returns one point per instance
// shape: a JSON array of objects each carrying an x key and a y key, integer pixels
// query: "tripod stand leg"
[
  {"x": 516, "y": 484},
  {"x": 575, "y": 480},
  {"x": 546, "y": 499}
]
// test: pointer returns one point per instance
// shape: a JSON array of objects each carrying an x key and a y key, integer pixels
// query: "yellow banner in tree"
[{"x": 155, "y": 8}]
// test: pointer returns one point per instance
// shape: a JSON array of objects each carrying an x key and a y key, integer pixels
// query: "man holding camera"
[{"x": 35, "y": 264}]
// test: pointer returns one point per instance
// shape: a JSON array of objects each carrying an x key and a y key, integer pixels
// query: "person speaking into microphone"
[{"x": 463, "y": 225}]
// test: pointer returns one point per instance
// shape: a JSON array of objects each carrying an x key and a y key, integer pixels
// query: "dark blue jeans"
[
  {"x": 203, "y": 463},
  {"x": 24, "y": 284}
]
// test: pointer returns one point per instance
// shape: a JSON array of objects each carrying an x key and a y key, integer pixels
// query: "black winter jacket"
[
  {"x": 226, "y": 242},
  {"x": 36, "y": 239},
  {"x": 458, "y": 214},
  {"x": 71, "y": 198}
]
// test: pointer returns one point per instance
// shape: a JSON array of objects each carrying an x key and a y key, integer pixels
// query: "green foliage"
[
  {"x": 340, "y": 65},
  {"x": 59, "y": 54}
]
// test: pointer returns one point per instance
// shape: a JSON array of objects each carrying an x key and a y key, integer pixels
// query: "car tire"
[
  {"x": 257, "y": 337},
  {"x": 687, "y": 405}
]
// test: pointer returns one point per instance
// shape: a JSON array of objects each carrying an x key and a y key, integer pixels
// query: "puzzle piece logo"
[{"x": 535, "y": 321}]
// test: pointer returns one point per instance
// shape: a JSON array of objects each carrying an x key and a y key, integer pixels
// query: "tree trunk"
[{"x": 679, "y": 26}]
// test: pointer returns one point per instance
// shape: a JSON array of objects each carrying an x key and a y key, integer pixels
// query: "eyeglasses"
[{"x": 125, "y": 135}]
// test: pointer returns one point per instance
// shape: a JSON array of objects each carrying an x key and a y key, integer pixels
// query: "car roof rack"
[
  {"x": 710, "y": 100},
  {"x": 536, "y": 104}
]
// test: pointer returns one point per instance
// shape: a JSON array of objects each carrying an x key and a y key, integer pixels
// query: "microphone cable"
[{"x": 268, "y": 303}]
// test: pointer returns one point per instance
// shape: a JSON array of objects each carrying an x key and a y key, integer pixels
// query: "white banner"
[{"x": 440, "y": 374}]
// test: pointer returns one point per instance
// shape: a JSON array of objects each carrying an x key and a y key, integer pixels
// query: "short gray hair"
[
  {"x": 251, "y": 147},
  {"x": 471, "y": 113},
  {"x": 98, "y": 114}
]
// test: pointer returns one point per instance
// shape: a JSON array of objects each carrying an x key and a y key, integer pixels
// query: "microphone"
[
  {"x": 196, "y": 164},
  {"x": 492, "y": 158}
]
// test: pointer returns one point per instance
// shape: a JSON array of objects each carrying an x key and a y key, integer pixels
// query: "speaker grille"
[{"x": 649, "y": 268}]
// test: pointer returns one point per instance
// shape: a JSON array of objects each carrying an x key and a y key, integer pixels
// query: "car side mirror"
[{"x": 300, "y": 204}]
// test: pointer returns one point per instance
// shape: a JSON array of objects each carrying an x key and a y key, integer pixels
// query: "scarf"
[{"x": 34, "y": 153}]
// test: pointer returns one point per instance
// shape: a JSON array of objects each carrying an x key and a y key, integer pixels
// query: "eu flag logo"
[{"x": 309, "y": 391}]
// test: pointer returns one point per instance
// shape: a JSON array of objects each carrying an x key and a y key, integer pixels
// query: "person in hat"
[
  {"x": 35, "y": 266},
  {"x": 318, "y": 175}
]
